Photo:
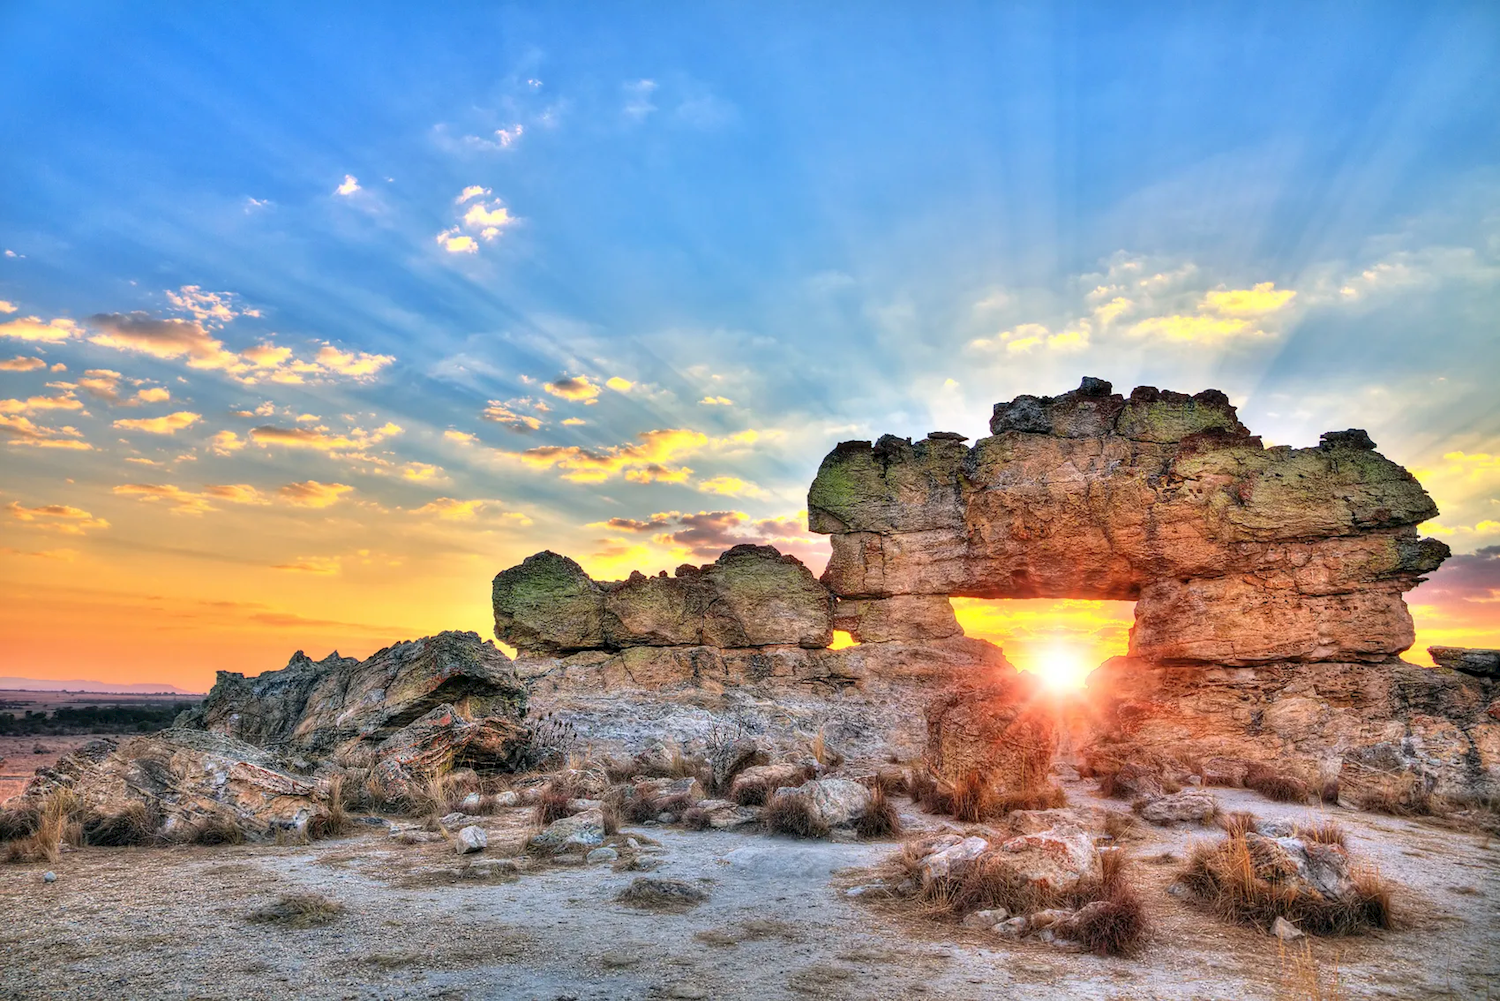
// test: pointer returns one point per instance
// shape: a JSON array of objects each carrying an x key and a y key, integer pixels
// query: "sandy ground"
[{"x": 172, "y": 923}]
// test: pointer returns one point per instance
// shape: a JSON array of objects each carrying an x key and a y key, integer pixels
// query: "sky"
[{"x": 313, "y": 317}]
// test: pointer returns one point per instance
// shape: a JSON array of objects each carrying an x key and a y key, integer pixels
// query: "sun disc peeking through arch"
[{"x": 1062, "y": 639}]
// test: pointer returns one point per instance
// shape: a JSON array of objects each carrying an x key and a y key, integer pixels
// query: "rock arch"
[{"x": 1234, "y": 553}]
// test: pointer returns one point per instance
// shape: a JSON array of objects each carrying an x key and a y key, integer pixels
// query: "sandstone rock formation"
[
  {"x": 1480, "y": 663},
  {"x": 1234, "y": 553}
]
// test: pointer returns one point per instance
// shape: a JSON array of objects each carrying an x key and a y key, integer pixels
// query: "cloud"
[
  {"x": 472, "y": 191},
  {"x": 235, "y": 493},
  {"x": 33, "y": 328},
  {"x": 213, "y": 307},
  {"x": 479, "y": 217},
  {"x": 730, "y": 486},
  {"x": 62, "y": 401},
  {"x": 573, "y": 388},
  {"x": 451, "y": 241},
  {"x": 7, "y": 307},
  {"x": 706, "y": 534},
  {"x": 225, "y": 442},
  {"x": 163, "y": 338},
  {"x": 156, "y": 394},
  {"x": 1258, "y": 301},
  {"x": 311, "y": 493},
  {"x": 349, "y": 187},
  {"x": 647, "y": 461},
  {"x": 618, "y": 384},
  {"x": 170, "y": 424},
  {"x": 19, "y": 430},
  {"x": 64, "y": 555},
  {"x": 1195, "y": 329},
  {"x": 421, "y": 472},
  {"x": 506, "y": 137},
  {"x": 451, "y": 509},
  {"x": 61, "y": 518},
  {"x": 320, "y": 440},
  {"x": 574, "y": 422},
  {"x": 21, "y": 363},
  {"x": 324, "y": 565},
  {"x": 1022, "y": 338},
  {"x": 505, "y": 416},
  {"x": 181, "y": 501},
  {"x": 460, "y": 436},
  {"x": 638, "y": 99},
  {"x": 358, "y": 364},
  {"x": 102, "y": 383},
  {"x": 716, "y": 401},
  {"x": 266, "y": 355}
]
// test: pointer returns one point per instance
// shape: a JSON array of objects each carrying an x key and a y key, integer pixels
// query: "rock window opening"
[{"x": 1061, "y": 639}]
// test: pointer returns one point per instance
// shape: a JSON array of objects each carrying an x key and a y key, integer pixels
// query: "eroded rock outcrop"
[
  {"x": 444, "y": 699},
  {"x": 1234, "y": 553},
  {"x": 1469, "y": 660}
]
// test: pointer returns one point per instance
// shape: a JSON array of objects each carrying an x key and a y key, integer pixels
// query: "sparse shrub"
[
  {"x": 1303, "y": 979},
  {"x": 696, "y": 819},
  {"x": 794, "y": 816},
  {"x": 1240, "y": 822},
  {"x": 823, "y": 753},
  {"x": 890, "y": 781},
  {"x": 298, "y": 910},
  {"x": 552, "y": 741},
  {"x": 552, "y": 803},
  {"x": 971, "y": 797},
  {"x": 880, "y": 819},
  {"x": 1049, "y": 797},
  {"x": 136, "y": 824},
  {"x": 1415, "y": 800},
  {"x": 1115, "y": 924},
  {"x": 219, "y": 828},
  {"x": 1247, "y": 879},
  {"x": 609, "y": 809},
  {"x": 1324, "y": 833},
  {"x": 985, "y": 882},
  {"x": 652, "y": 893},
  {"x": 1120, "y": 825},
  {"x": 1277, "y": 786},
  {"x": 751, "y": 793},
  {"x": 921, "y": 785},
  {"x": 55, "y": 823},
  {"x": 19, "y": 822}
]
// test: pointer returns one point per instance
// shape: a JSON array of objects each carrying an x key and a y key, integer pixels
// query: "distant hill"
[{"x": 37, "y": 685}]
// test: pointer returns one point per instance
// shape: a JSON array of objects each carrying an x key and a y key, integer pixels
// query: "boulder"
[
  {"x": 729, "y": 758},
  {"x": 834, "y": 802},
  {"x": 1469, "y": 660},
  {"x": 185, "y": 776},
  {"x": 985, "y": 919},
  {"x": 723, "y": 815},
  {"x": 939, "y": 863},
  {"x": 751, "y": 596},
  {"x": 1191, "y": 806},
  {"x": 581, "y": 832},
  {"x": 1285, "y": 930},
  {"x": 773, "y": 777},
  {"x": 471, "y": 839},
  {"x": 1057, "y": 857}
]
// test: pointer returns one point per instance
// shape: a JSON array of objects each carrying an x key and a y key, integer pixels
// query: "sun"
[{"x": 1063, "y": 668}]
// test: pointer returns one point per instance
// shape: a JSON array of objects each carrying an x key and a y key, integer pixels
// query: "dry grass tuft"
[
  {"x": 794, "y": 816},
  {"x": 552, "y": 803},
  {"x": 1277, "y": 786},
  {"x": 1324, "y": 833},
  {"x": 1048, "y": 797},
  {"x": 1415, "y": 800},
  {"x": 823, "y": 753},
  {"x": 216, "y": 829},
  {"x": 651, "y": 893},
  {"x": 1120, "y": 825},
  {"x": 1304, "y": 979},
  {"x": 1115, "y": 924},
  {"x": 136, "y": 824},
  {"x": 298, "y": 910},
  {"x": 1247, "y": 879},
  {"x": 55, "y": 823},
  {"x": 19, "y": 822},
  {"x": 891, "y": 782},
  {"x": 1239, "y": 823},
  {"x": 638, "y": 805},
  {"x": 880, "y": 819},
  {"x": 696, "y": 819},
  {"x": 752, "y": 793}
]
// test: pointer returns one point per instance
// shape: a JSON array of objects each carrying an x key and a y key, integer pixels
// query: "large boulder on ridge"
[{"x": 751, "y": 596}]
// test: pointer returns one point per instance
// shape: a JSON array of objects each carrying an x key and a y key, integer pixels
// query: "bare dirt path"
[{"x": 171, "y": 923}]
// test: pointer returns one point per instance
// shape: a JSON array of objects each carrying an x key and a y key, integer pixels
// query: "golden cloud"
[
  {"x": 170, "y": 424},
  {"x": 156, "y": 394},
  {"x": 460, "y": 436},
  {"x": 235, "y": 493},
  {"x": 1195, "y": 329},
  {"x": 645, "y": 462},
  {"x": 21, "y": 363},
  {"x": 32, "y": 328},
  {"x": 7, "y": 307},
  {"x": 421, "y": 472},
  {"x": 454, "y": 243},
  {"x": 349, "y": 187},
  {"x": 501, "y": 413},
  {"x": 20, "y": 430},
  {"x": 311, "y": 493},
  {"x": 320, "y": 439},
  {"x": 358, "y": 364},
  {"x": 1258, "y": 301},
  {"x": 573, "y": 388},
  {"x": 181, "y": 501},
  {"x": 63, "y": 401},
  {"x": 311, "y": 564},
  {"x": 716, "y": 401},
  {"x": 452, "y": 509},
  {"x": 225, "y": 442},
  {"x": 730, "y": 486},
  {"x": 618, "y": 384},
  {"x": 62, "y": 518}
]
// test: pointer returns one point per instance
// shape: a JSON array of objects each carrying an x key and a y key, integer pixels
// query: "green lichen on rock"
[{"x": 548, "y": 603}]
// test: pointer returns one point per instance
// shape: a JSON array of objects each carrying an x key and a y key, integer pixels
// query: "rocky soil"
[{"x": 778, "y": 922}]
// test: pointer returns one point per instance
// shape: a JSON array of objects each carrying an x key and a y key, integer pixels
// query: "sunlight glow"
[
  {"x": 841, "y": 639},
  {"x": 1063, "y": 668}
]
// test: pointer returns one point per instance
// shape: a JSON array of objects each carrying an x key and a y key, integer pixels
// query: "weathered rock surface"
[
  {"x": 834, "y": 802},
  {"x": 407, "y": 712},
  {"x": 1392, "y": 725},
  {"x": 471, "y": 839},
  {"x": 751, "y": 596},
  {"x": 999, "y": 729},
  {"x": 581, "y": 832},
  {"x": 188, "y": 776},
  {"x": 1469, "y": 660},
  {"x": 1234, "y": 553},
  {"x": 1057, "y": 857},
  {"x": 1191, "y": 806}
]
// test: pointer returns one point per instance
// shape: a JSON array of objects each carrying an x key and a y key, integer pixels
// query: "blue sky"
[{"x": 780, "y": 225}]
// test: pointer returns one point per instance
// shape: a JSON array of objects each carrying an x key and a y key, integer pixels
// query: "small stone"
[
  {"x": 506, "y": 798},
  {"x": 860, "y": 891},
  {"x": 664, "y": 818},
  {"x": 987, "y": 918},
  {"x": 601, "y": 855},
  {"x": 49, "y": 876},
  {"x": 451, "y": 819},
  {"x": 1014, "y": 928},
  {"x": 1049, "y": 917},
  {"x": 471, "y": 839},
  {"x": 687, "y": 991},
  {"x": 470, "y": 803},
  {"x": 1285, "y": 930}
]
